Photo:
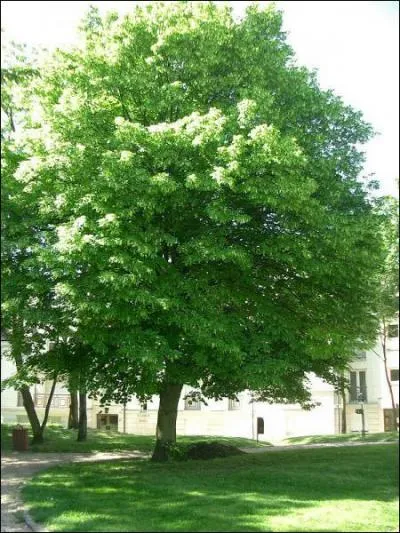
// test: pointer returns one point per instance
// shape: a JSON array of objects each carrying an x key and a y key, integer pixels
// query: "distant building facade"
[
  {"x": 234, "y": 418},
  {"x": 369, "y": 387}
]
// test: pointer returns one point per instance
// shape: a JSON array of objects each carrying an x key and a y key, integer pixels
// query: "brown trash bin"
[{"x": 20, "y": 438}]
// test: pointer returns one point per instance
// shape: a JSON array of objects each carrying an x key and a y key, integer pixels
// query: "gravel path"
[{"x": 17, "y": 468}]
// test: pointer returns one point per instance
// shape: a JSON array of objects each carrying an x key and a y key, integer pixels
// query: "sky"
[{"x": 354, "y": 45}]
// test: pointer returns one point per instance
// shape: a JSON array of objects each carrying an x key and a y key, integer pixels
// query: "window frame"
[
  {"x": 358, "y": 386},
  {"x": 20, "y": 400},
  {"x": 192, "y": 405},
  {"x": 233, "y": 405}
]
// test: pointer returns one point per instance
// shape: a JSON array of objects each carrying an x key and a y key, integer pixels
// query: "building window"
[
  {"x": 107, "y": 422},
  {"x": 143, "y": 406},
  {"x": 20, "y": 401},
  {"x": 394, "y": 374},
  {"x": 358, "y": 386},
  {"x": 393, "y": 331},
  {"x": 233, "y": 405},
  {"x": 192, "y": 405}
]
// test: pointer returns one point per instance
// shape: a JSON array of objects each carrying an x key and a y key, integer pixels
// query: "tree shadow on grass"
[{"x": 262, "y": 492}]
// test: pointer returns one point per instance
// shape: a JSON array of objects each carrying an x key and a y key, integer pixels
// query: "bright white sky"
[{"x": 353, "y": 44}]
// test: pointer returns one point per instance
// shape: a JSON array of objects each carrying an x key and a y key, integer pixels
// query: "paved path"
[{"x": 17, "y": 468}]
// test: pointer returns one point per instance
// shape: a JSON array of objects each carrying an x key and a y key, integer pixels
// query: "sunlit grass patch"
[
  {"x": 388, "y": 436},
  {"x": 329, "y": 489}
]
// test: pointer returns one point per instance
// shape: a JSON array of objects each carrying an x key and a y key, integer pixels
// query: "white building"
[
  {"x": 367, "y": 377},
  {"x": 230, "y": 418}
]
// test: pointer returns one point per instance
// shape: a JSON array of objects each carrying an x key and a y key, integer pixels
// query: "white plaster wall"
[{"x": 373, "y": 418}]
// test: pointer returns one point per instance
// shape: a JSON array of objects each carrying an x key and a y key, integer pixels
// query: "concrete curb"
[{"x": 32, "y": 524}]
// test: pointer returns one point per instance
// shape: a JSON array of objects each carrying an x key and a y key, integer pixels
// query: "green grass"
[
  {"x": 389, "y": 436},
  {"x": 59, "y": 439},
  {"x": 325, "y": 489}
]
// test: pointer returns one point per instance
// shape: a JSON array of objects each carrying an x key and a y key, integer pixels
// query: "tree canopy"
[{"x": 202, "y": 218}]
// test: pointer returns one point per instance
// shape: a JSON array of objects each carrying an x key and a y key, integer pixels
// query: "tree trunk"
[
  {"x": 388, "y": 381},
  {"x": 17, "y": 340},
  {"x": 82, "y": 423},
  {"x": 73, "y": 417},
  {"x": 48, "y": 404},
  {"x": 166, "y": 421},
  {"x": 32, "y": 415},
  {"x": 343, "y": 395}
]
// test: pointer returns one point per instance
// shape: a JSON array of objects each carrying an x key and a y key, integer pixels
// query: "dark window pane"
[
  {"x": 394, "y": 374},
  {"x": 353, "y": 386},
  {"x": 363, "y": 386},
  {"x": 393, "y": 331},
  {"x": 20, "y": 401}
]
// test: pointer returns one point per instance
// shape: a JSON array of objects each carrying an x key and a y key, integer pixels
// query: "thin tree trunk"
[
  {"x": 48, "y": 404},
  {"x": 73, "y": 417},
  {"x": 29, "y": 406},
  {"x": 166, "y": 421},
  {"x": 16, "y": 339},
  {"x": 343, "y": 395},
  {"x": 388, "y": 381},
  {"x": 82, "y": 425}
]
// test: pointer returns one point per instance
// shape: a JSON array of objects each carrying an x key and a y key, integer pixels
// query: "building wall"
[
  {"x": 215, "y": 418},
  {"x": 378, "y": 394},
  {"x": 373, "y": 418},
  {"x": 11, "y": 412}
]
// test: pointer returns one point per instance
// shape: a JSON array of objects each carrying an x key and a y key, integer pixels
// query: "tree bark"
[
  {"x": 73, "y": 417},
  {"x": 48, "y": 404},
  {"x": 166, "y": 421},
  {"x": 16, "y": 339},
  {"x": 29, "y": 406},
  {"x": 82, "y": 423},
  {"x": 343, "y": 395},
  {"x": 388, "y": 381}
]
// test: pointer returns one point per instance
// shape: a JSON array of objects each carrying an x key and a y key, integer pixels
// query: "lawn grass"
[
  {"x": 59, "y": 439},
  {"x": 388, "y": 436},
  {"x": 325, "y": 489}
]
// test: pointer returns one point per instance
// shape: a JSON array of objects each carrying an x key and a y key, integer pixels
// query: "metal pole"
[
  {"x": 252, "y": 418},
  {"x": 362, "y": 420}
]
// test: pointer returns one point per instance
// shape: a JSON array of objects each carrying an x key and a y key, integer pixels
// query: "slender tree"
[
  {"x": 388, "y": 309},
  {"x": 73, "y": 415},
  {"x": 24, "y": 289}
]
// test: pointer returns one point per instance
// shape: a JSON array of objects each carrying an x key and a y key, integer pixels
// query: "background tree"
[
  {"x": 210, "y": 227},
  {"x": 388, "y": 309},
  {"x": 69, "y": 360},
  {"x": 17, "y": 220},
  {"x": 29, "y": 311},
  {"x": 73, "y": 415}
]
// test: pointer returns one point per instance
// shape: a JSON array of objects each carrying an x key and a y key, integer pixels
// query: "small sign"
[{"x": 260, "y": 426}]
